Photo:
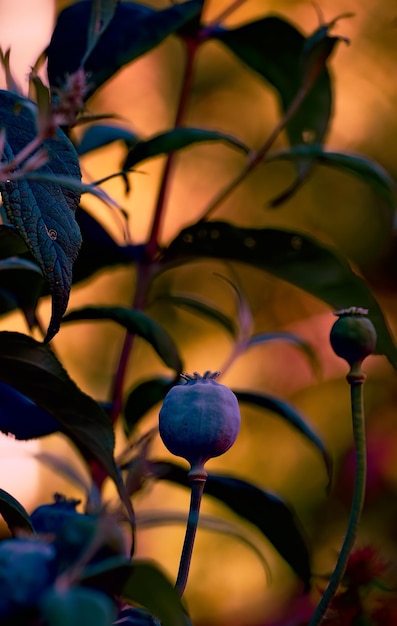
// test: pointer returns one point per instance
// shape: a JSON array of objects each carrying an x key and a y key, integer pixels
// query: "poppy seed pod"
[
  {"x": 353, "y": 335},
  {"x": 199, "y": 419}
]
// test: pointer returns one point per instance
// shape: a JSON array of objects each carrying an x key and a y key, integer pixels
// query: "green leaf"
[
  {"x": 43, "y": 213},
  {"x": 136, "y": 322},
  {"x": 292, "y": 416},
  {"x": 292, "y": 256},
  {"x": 100, "y": 135},
  {"x": 108, "y": 575},
  {"x": 148, "y": 587},
  {"x": 291, "y": 338},
  {"x": 366, "y": 170},
  {"x": 173, "y": 140},
  {"x": 21, "y": 285},
  {"x": 11, "y": 243},
  {"x": 142, "y": 398},
  {"x": 32, "y": 368},
  {"x": 134, "y": 30},
  {"x": 273, "y": 48},
  {"x": 267, "y": 512},
  {"x": 62, "y": 606},
  {"x": 13, "y": 513},
  {"x": 202, "y": 308}
]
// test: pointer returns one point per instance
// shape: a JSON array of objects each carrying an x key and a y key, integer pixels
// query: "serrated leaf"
[
  {"x": 134, "y": 30},
  {"x": 148, "y": 587},
  {"x": 32, "y": 368},
  {"x": 173, "y": 140},
  {"x": 142, "y": 398},
  {"x": 136, "y": 322},
  {"x": 21, "y": 417},
  {"x": 100, "y": 135},
  {"x": 292, "y": 416},
  {"x": 43, "y": 213},
  {"x": 13, "y": 513},
  {"x": 365, "y": 169},
  {"x": 11, "y": 243},
  {"x": 62, "y": 606},
  {"x": 267, "y": 512},
  {"x": 292, "y": 256},
  {"x": 21, "y": 285}
]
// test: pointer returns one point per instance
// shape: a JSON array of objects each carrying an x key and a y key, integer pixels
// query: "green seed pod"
[
  {"x": 199, "y": 419},
  {"x": 353, "y": 336}
]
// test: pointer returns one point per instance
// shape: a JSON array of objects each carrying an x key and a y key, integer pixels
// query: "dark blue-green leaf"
[
  {"x": 100, "y": 135},
  {"x": 80, "y": 606},
  {"x": 13, "y": 513},
  {"x": 292, "y": 256},
  {"x": 11, "y": 243},
  {"x": 366, "y": 170},
  {"x": 136, "y": 322},
  {"x": 43, "y": 212},
  {"x": 148, "y": 587},
  {"x": 134, "y": 30},
  {"x": 21, "y": 285},
  {"x": 262, "y": 509},
  {"x": 21, "y": 417},
  {"x": 32, "y": 368},
  {"x": 292, "y": 416},
  {"x": 143, "y": 398},
  {"x": 176, "y": 139}
]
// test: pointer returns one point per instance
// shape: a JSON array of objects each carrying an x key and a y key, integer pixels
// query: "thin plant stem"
[
  {"x": 197, "y": 483},
  {"x": 356, "y": 379},
  {"x": 143, "y": 268},
  {"x": 255, "y": 158}
]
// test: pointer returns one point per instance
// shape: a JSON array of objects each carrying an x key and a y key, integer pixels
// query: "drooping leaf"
[
  {"x": 366, "y": 170},
  {"x": 21, "y": 285},
  {"x": 80, "y": 606},
  {"x": 136, "y": 322},
  {"x": 262, "y": 509},
  {"x": 100, "y": 135},
  {"x": 11, "y": 243},
  {"x": 148, "y": 587},
  {"x": 295, "y": 257},
  {"x": 173, "y": 140},
  {"x": 292, "y": 416},
  {"x": 301, "y": 344},
  {"x": 21, "y": 417},
  {"x": 108, "y": 575},
  {"x": 273, "y": 48},
  {"x": 99, "y": 250},
  {"x": 198, "y": 305},
  {"x": 13, "y": 513},
  {"x": 134, "y": 30},
  {"x": 142, "y": 398},
  {"x": 32, "y": 368},
  {"x": 43, "y": 213}
]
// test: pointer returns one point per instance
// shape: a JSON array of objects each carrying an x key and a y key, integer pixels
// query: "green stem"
[
  {"x": 197, "y": 482},
  {"x": 356, "y": 379}
]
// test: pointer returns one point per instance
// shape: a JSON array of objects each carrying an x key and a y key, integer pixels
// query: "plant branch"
[
  {"x": 255, "y": 158},
  {"x": 356, "y": 379}
]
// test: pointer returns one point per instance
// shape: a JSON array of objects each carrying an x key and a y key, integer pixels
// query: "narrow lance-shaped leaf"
[
  {"x": 365, "y": 169},
  {"x": 43, "y": 213},
  {"x": 148, "y": 587},
  {"x": 100, "y": 135},
  {"x": 11, "y": 242},
  {"x": 301, "y": 344},
  {"x": 133, "y": 30},
  {"x": 21, "y": 417},
  {"x": 21, "y": 285},
  {"x": 136, "y": 322},
  {"x": 266, "y": 511},
  {"x": 143, "y": 398},
  {"x": 292, "y": 416},
  {"x": 32, "y": 368},
  {"x": 176, "y": 139},
  {"x": 13, "y": 513},
  {"x": 295, "y": 257}
]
